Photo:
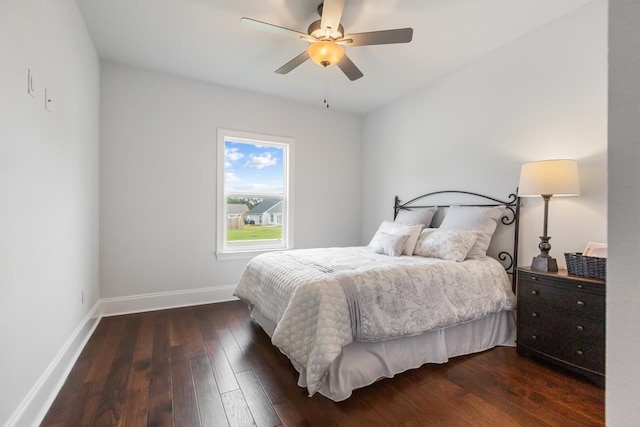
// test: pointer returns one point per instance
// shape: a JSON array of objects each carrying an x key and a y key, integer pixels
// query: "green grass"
[{"x": 255, "y": 232}]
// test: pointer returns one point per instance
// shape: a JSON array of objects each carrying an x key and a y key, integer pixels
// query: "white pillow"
[
  {"x": 416, "y": 216},
  {"x": 480, "y": 218},
  {"x": 394, "y": 228},
  {"x": 390, "y": 244},
  {"x": 450, "y": 245}
]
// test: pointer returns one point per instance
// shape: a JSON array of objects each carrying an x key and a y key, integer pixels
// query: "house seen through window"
[{"x": 254, "y": 200}]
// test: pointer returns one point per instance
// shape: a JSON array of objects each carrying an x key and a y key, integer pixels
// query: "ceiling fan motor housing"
[{"x": 316, "y": 31}]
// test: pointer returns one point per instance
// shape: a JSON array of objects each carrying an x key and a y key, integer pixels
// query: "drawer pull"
[
  {"x": 534, "y": 337},
  {"x": 580, "y": 328},
  {"x": 580, "y": 287},
  {"x": 534, "y": 292},
  {"x": 534, "y": 278},
  {"x": 579, "y": 353},
  {"x": 581, "y": 303},
  {"x": 534, "y": 314}
]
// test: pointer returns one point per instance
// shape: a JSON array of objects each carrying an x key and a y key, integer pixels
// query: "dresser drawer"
[
  {"x": 567, "y": 298},
  {"x": 579, "y": 329},
  {"x": 579, "y": 353}
]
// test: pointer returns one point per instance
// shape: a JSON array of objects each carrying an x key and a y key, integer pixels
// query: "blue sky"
[{"x": 252, "y": 168}]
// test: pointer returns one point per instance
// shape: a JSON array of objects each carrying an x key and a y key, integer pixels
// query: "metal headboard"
[{"x": 511, "y": 216}]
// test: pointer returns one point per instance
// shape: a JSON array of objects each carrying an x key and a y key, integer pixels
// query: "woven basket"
[{"x": 586, "y": 266}]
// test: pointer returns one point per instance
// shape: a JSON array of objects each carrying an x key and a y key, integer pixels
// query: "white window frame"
[{"x": 243, "y": 249}]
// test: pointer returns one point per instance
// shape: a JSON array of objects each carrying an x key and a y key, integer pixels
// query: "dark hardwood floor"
[{"x": 211, "y": 365}]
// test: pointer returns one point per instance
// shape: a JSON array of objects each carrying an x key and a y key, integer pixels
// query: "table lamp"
[{"x": 548, "y": 178}]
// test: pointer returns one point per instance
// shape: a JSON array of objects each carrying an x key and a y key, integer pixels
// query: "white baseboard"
[
  {"x": 36, "y": 403},
  {"x": 164, "y": 300}
]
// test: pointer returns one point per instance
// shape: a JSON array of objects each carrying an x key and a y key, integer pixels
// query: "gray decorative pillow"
[
  {"x": 390, "y": 244},
  {"x": 480, "y": 218},
  {"x": 450, "y": 245},
  {"x": 415, "y": 216}
]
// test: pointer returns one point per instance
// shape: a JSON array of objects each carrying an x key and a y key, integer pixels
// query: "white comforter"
[{"x": 303, "y": 292}]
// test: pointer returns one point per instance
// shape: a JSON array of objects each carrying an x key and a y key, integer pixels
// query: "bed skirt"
[{"x": 361, "y": 363}]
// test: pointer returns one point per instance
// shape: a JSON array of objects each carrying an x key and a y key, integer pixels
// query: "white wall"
[
  {"x": 541, "y": 96},
  {"x": 623, "y": 292},
  {"x": 158, "y": 177},
  {"x": 48, "y": 197}
]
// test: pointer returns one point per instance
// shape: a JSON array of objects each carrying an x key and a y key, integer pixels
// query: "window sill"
[{"x": 248, "y": 254}]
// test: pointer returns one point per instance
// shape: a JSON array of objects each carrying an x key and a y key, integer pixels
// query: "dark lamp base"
[{"x": 544, "y": 263}]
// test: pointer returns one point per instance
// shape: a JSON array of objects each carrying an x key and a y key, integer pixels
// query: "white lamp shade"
[{"x": 549, "y": 177}]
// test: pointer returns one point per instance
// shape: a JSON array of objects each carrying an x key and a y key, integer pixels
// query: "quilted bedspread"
[{"x": 323, "y": 299}]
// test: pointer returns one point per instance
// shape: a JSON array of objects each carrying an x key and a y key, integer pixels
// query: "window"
[{"x": 255, "y": 201}]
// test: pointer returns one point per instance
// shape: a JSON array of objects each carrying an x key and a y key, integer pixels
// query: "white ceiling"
[{"x": 203, "y": 40}]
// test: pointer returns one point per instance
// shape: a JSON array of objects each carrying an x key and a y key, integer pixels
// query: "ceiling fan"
[{"x": 326, "y": 39}]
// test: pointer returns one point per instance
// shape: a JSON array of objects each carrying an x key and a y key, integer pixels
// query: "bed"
[{"x": 424, "y": 290}]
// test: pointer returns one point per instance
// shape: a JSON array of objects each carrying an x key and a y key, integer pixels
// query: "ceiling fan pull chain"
[{"x": 326, "y": 88}]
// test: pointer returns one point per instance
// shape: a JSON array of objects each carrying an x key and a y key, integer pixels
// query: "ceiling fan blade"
[
  {"x": 298, "y": 60},
  {"x": 275, "y": 29},
  {"x": 400, "y": 35},
  {"x": 331, "y": 14},
  {"x": 349, "y": 68}
]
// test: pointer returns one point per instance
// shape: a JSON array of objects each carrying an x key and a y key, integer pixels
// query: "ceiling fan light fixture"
[{"x": 325, "y": 53}]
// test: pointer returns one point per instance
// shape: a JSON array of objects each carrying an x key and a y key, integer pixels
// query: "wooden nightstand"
[{"x": 561, "y": 318}]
